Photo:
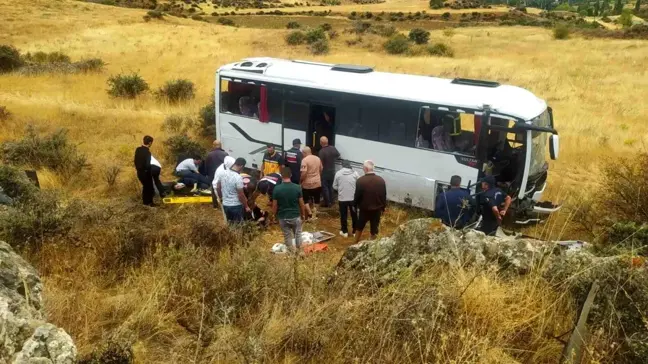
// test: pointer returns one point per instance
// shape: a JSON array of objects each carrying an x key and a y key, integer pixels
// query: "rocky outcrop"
[
  {"x": 25, "y": 336},
  {"x": 423, "y": 242}
]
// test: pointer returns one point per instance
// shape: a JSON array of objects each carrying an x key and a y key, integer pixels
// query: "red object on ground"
[{"x": 318, "y": 247}]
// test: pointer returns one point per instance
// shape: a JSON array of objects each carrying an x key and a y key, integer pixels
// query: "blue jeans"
[
  {"x": 192, "y": 178},
  {"x": 234, "y": 214}
]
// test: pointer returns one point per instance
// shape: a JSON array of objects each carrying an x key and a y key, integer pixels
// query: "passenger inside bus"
[
  {"x": 447, "y": 131},
  {"x": 240, "y": 98}
]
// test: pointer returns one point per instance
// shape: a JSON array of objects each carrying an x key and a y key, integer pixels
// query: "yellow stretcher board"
[{"x": 187, "y": 199}]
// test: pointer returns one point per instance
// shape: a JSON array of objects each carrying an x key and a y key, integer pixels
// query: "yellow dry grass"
[{"x": 596, "y": 87}]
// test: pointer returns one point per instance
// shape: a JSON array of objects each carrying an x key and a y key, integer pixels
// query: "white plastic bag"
[{"x": 279, "y": 248}]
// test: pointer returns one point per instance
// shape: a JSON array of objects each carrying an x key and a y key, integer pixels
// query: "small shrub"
[
  {"x": 58, "y": 57},
  {"x": 419, "y": 36},
  {"x": 445, "y": 16},
  {"x": 112, "y": 352},
  {"x": 625, "y": 19},
  {"x": 16, "y": 184},
  {"x": 293, "y": 25},
  {"x": 127, "y": 86},
  {"x": 398, "y": 44},
  {"x": 360, "y": 27},
  {"x": 436, "y": 4},
  {"x": 332, "y": 34},
  {"x": 449, "y": 32},
  {"x": 440, "y": 50},
  {"x": 90, "y": 65},
  {"x": 384, "y": 30},
  {"x": 146, "y": 18},
  {"x": 9, "y": 59},
  {"x": 326, "y": 27},
  {"x": 226, "y": 21},
  {"x": 320, "y": 47},
  {"x": 155, "y": 14},
  {"x": 52, "y": 151},
  {"x": 295, "y": 37},
  {"x": 197, "y": 17},
  {"x": 314, "y": 35},
  {"x": 178, "y": 124},
  {"x": 4, "y": 113},
  {"x": 182, "y": 146},
  {"x": 176, "y": 91},
  {"x": 561, "y": 31},
  {"x": 110, "y": 174}
]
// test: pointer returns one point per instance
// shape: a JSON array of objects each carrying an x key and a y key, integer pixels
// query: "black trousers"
[
  {"x": 155, "y": 173},
  {"x": 146, "y": 179},
  {"x": 345, "y": 208},
  {"x": 372, "y": 217}
]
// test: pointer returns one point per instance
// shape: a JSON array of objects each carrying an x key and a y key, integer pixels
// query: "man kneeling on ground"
[{"x": 288, "y": 207}]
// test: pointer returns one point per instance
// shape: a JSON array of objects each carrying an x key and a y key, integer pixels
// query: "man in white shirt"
[
  {"x": 230, "y": 188},
  {"x": 156, "y": 169},
  {"x": 228, "y": 162},
  {"x": 188, "y": 171}
]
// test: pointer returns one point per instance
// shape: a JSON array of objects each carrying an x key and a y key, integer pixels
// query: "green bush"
[
  {"x": 561, "y": 31},
  {"x": 197, "y": 17},
  {"x": 314, "y": 35},
  {"x": 320, "y": 47},
  {"x": 16, "y": 184},
  {"x": 436, "y": 4},
  {"x": 53, "y": 151},
  {"x": 127, "y": 86},
  {"x": 293, "y": 25},
  {"x": 441, "y": 50},
  {"x": 295, "y": 37},
  {"x": 178, "y": 124},
  {"x": 326, "y": 27},
  {"x": 43, "y": 57},
  {"x": 419, "y": 36},
  {"x": 226, "y": 21},
  {"x": 176, "y": 91},
  {"x": 384, "y": 30},
  {"x": 155, "y": 14},
  {"x": 182, "y": 146},
  {"x": 625, "y": 19},
  {"x": 398, "y": 44},
  {"x": 9, "y": 58},
  {"x": 207, "y": 116}
]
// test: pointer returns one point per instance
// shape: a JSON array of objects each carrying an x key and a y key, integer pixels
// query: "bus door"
[
  {"x": 296, "y": 116},
  {"x": 321, "y": 123}
]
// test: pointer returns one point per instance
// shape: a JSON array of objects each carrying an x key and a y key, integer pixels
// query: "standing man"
[
  {"x": 494, "y": 205},
  {"x": 328, "y": 154},
  {"x": 345, "y": 183},
  {"x": 156, "y": 170},
  {"x": 230, "y": 188},
  {"x": 311, "y": 181},
  {"x": 272, "y": 161},
  {"x": 293, "y": 160},
  {"x": 143, "y": 167},
  {"x": 288, "y": 207},
  {"x": 453, "y": 206},
  {"x": 371, "y": 200},
  {"x": 214, "y": 159}
]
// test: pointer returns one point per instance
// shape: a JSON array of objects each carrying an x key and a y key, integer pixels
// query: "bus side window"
[
  {"x": 244, "y": 98},
  {"x": 446, "y": 131}
]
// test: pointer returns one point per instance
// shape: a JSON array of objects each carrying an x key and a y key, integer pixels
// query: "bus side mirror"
[{"x": 554, "y": 146}]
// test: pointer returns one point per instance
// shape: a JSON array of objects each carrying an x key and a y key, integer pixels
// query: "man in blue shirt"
[{"x": 453, "y": 206}]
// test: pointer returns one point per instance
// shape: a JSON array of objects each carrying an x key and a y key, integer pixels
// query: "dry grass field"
[{"x": 597, "y": 88}]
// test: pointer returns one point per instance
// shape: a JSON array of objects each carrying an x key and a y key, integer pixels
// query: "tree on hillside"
[
  {"x": 618, "y": 7},
  {"x": 637, "y": 6}
]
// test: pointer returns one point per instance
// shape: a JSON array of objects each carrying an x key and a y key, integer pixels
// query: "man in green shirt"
[{"x": 288, "y": 207}]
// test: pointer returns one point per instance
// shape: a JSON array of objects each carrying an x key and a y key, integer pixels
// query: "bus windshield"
[{"x": 539, "y": 144}]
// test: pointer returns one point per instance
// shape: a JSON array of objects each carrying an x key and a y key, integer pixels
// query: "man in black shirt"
[
  {"x": 328, "y": 155},
  {"x": 293, "y": 160},
  {"x": 494, "y": 204},
  {"x": 143, "y": 167},
  {"x": 214, "y": 160}
]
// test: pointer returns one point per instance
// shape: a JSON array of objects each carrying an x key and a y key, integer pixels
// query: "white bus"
[{"x": 418, "y": 130}]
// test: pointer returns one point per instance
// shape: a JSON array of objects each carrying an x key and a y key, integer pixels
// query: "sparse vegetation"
[
  {"x": 293, "y": 25},
  {"x": 176, "y": 91},
  {"x": 226, "y": 21},
  {"x": 315, "y": 35},
  {"x": 398, "y": 44},
  {"x": 53, "y": 151},
  {"x": 419, "y": 36},
  {"x": 127, "y": 86},
  {"x": 440, "y": 50},
  {"x": 182, "y": 146}
]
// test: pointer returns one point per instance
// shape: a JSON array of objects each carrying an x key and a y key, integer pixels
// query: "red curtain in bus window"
[
  {"x": 263, "y": 105},
  {"x": 477, "y": 128}
]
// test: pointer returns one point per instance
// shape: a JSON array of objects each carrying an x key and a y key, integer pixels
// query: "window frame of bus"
[
  {"x": 467, "y": 111},
  {"x": 263, "y": 96}
]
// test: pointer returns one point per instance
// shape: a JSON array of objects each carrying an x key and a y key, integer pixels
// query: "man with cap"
[
  {"x": 494, "y": 205},
  {"x": 293, "y": 160},
  {"x": 272, "y": 161},
  {"x": 345, "y": 183}
]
